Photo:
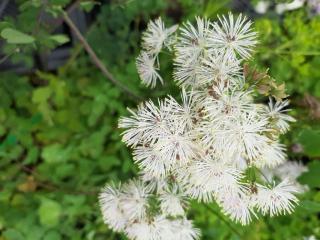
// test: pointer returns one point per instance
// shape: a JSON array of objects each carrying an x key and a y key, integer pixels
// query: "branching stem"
[{"x": 95, "y": 58}]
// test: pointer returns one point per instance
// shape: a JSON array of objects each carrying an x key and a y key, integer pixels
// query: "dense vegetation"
[{"x": 59, "y": 141}]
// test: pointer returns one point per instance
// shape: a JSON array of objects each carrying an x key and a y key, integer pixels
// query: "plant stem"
[
  {"x": 3, "y": 59},
  {"x": 234, "y": 230},
  {"x": 95, "y": 58}
]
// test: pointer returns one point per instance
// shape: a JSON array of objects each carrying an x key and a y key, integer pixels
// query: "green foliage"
[
  {"x": 59, "y": 141},
  {"x": 310, "y": 140},
  {"x": 16, "y": 37},
  {"x": 312, "y": 176}
]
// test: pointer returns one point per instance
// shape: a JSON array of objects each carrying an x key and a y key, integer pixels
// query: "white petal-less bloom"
[
  {"x": 234, "y": 36},
  {"x": 156, "y": 36},
  {"x": 277, "y": 114},
  {"x": 183, "y": 113},
  {"x": 185, "y": 73},
  {"x": 135, "y": 199},
  {"x": 193, "y": 40},
  {"x": 278, "y": 199},
  {"x": 157, "y": 185},
  {"x": 147, "y": 69},
  {"x": 176, "y": 148},
  {"x": 272, "y": 155},
  {"x": 242, "y": 137},
  {"x": 190, "y": 49},
  {"x": 237, "y": 207},
  {"x": 228, "y": 104},
  {"x": 182, "y": 229},
  {"x": 143, "y": 230},
  {"x": 206, "y": 146},
  {"x": 172, "y": 203},
  {"x": 110, "y": 203},
  {"x": 208, "y": 177},
  {"x": 290, "y": 170},
  {"x": 145, "y": 125},
  {"x": 150, "y": 160},
  {"x": 217, "y": 67},
  {"x": 246, "y": 135},
  {"x": 161, "y": 228}
]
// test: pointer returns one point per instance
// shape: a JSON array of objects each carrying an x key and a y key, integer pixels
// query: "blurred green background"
[{"x": 59, "y": 141}]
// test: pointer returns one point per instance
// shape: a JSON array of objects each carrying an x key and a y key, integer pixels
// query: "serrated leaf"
[{"x": 16, "y": 37}]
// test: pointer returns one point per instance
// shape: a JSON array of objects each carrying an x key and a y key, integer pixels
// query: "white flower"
[
  {"x": 189, "y": 50},
  {"x": 236, "y": 136},
  {"x": 161, "y": 228},
  {"x": 182, "y": 229},
  {"x": 262, "y": 7},
  {"x": 110, "y": 203},
  {"x": 147, "y": 70},
  {"x": 145, "y": 125},
  {"x": 228, "y": 104},
  {"x": 283, "y": 7},
  {"x": 272, "y": 155},
  {"x": 276, "y": 113},
  {"x": 183, "y": 114},
  {"x": 312, "y": 237},
  {"x": 135, "y": 200},
  {"x": 217, "y": 67},
  {"x": 177, "y": 148},
  {"x": 278, "y": 199},
  {"x": 143, "y": 230},
  {"x": 208, "y": 177},
  {"x": 206, "y": 147},
  {"x": 290, "y": 170},
  {"x": 151, "y": 161},
  {"x": 193, "y": 40},
  {"x": 156, "y": 184},
  {"x": 172, "y": 202},
  {"x": 185, "y": 73},
  {"x": 237, "y": 207},
  {"x": 156, "y": 36},
  {"x": 234, "y": 36}
]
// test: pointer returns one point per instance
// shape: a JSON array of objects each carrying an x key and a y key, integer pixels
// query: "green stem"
[{"x": 233, "y": 229}]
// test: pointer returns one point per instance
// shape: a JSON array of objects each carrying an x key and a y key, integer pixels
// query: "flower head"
[
  {"x": 277, "y": 114},
  {"x": 147, "y": 69},
  {"x": 156, "y": 36},
  {"x": 278, "y": 199},
  {"x": 233, "y": 36}
]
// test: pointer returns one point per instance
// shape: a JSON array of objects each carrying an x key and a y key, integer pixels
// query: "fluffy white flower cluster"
[{"x": 218, "y": 144}]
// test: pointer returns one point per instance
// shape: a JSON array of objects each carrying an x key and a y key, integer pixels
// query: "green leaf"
[
  {"x": 60, "y": 38},
  {"x": 55, "y": 153},
  {"x": 311, "y": 178},
  {"x": 310, "y": 140},
  {"x": 49, "y": 212},
  {"x": 16, "y": 37},
  {"x": 12, "y": 234},
  {"x": 52, "y": 235},
  {"x": 41, "y": 95},
  {"x": 310, "y": 206},
  {"x": 88, "y": 5}
]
